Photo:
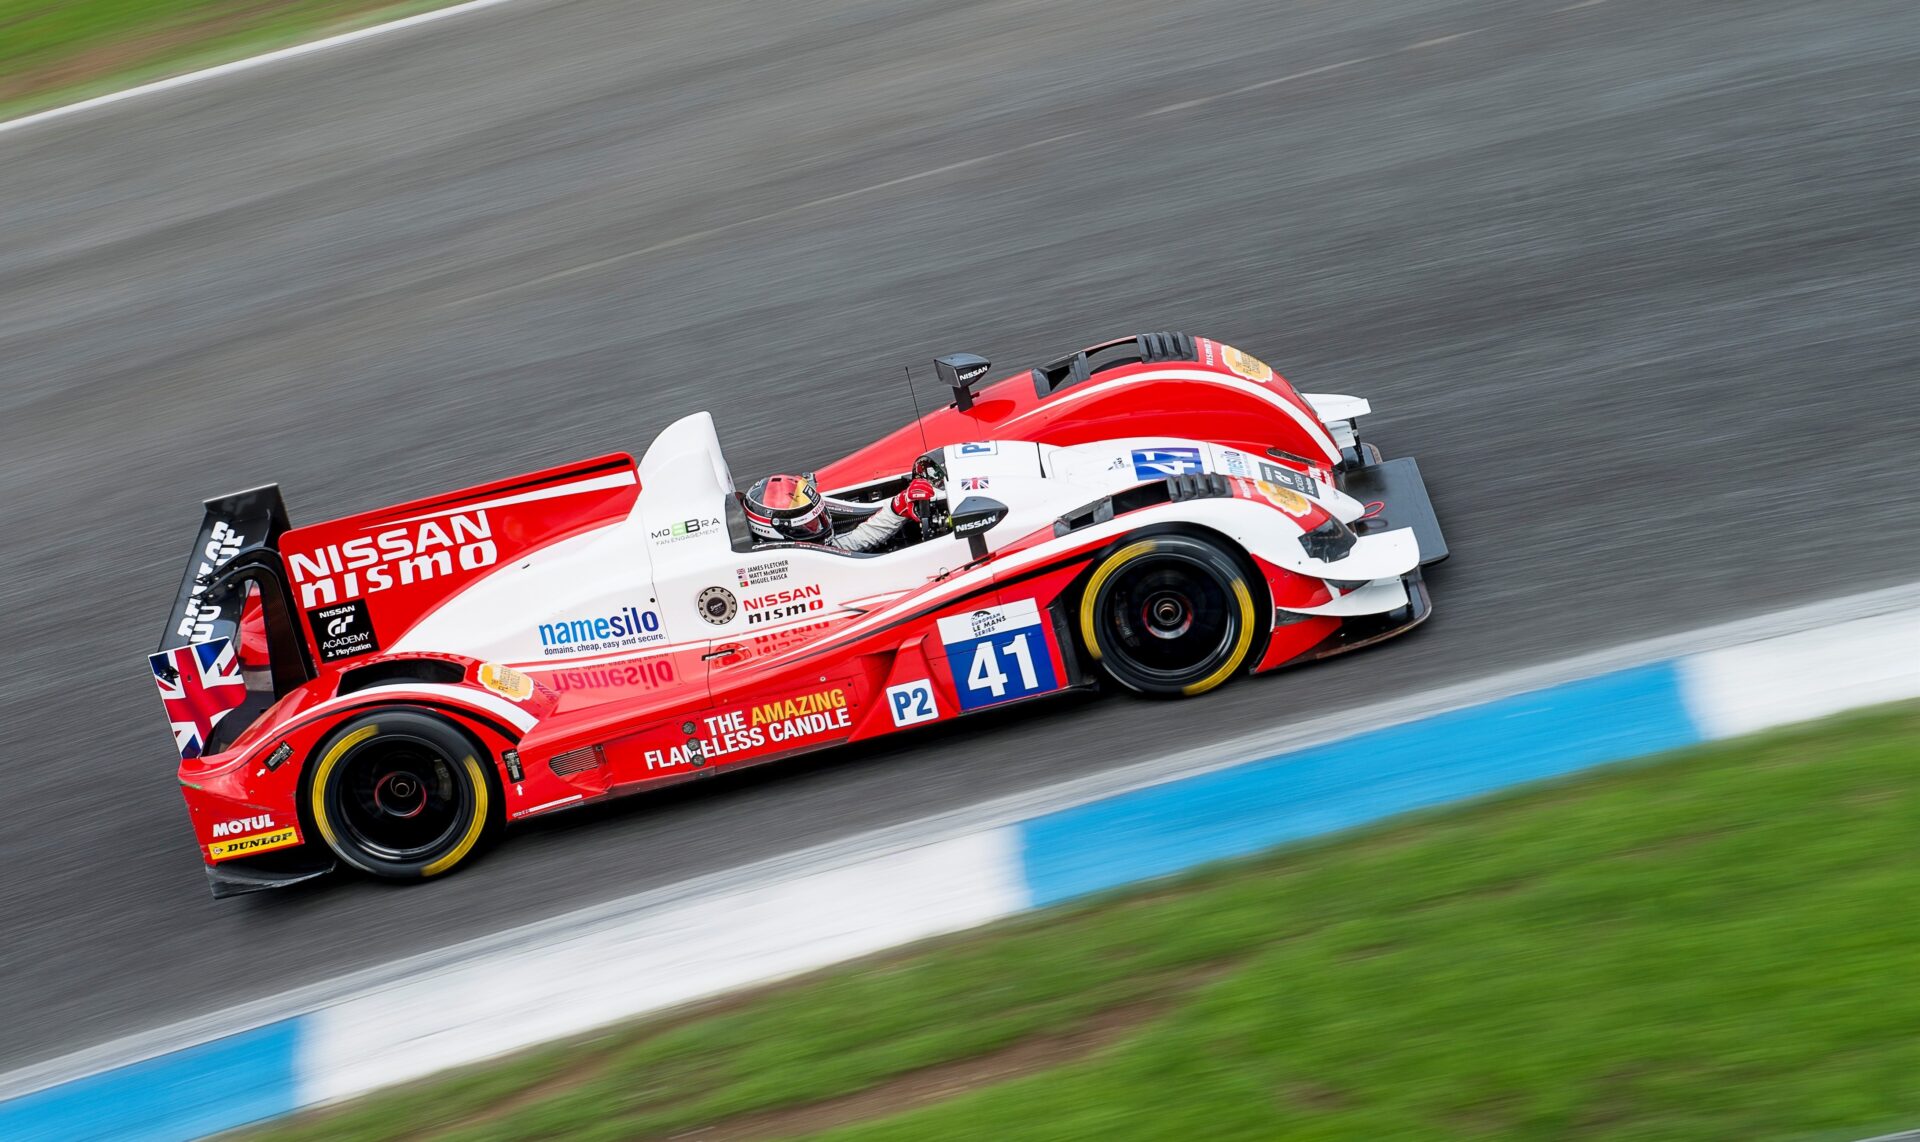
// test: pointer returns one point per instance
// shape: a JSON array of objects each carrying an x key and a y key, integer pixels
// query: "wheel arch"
[
  {"x": 1261, "y": 590},
  {"x": 468, "y": 727}
]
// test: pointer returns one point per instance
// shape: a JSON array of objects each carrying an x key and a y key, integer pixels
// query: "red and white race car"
[{"x": 1162, "y": 512}]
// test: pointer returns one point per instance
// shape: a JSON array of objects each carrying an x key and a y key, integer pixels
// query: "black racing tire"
[
  {"x": 1169, "y": 615},
  {"x": 401, "y": 794}
]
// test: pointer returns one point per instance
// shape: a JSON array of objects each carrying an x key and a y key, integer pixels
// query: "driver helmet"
[{"x": 789, "y": 507}]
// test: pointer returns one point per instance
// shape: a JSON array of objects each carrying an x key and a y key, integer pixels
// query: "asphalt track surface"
[{"x": 1635, "y": 280}]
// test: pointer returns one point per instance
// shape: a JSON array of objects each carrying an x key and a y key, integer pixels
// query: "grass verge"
[
  {"x": 55, "y": 52},
  {"x": 1721, "y": 944}
]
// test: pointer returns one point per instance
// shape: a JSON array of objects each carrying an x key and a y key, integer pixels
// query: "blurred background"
[{"x": 1635, "y": 281}]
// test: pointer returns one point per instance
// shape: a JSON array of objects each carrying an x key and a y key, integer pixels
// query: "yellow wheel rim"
[
  {"x": 1090, "y": 635},
  {"x": 317, "y": 800}
]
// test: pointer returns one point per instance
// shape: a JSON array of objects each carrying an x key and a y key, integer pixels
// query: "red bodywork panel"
[
  {"x": 1216, "y": 404},
  {"x": 404, "y": 560}
]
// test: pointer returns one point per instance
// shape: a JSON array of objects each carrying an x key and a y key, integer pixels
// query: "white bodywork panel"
[
  {"x": 1331, "y": 407},
  {"x": 644, "y": 577}
]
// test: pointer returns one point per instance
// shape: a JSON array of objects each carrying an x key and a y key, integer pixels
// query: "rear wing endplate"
[
  {"x": 233, "y": 523},
  {"x": 238, "y": 545}
]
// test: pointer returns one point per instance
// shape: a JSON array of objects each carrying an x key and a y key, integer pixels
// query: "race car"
[{"x": 1159, "y": 513}]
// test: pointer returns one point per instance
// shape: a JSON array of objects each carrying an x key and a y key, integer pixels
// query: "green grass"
[
  {"x": 1723, "y": 944},
  {"x": 56, "y": 52}
]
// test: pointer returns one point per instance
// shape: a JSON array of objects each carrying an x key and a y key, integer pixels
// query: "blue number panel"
[{"x": 998, "y": 654}]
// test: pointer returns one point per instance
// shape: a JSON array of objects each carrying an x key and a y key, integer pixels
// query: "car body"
[{"x": 1162, "y": 511}]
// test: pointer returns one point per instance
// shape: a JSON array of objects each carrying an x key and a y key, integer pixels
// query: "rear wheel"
[
  {"x": 400, "y": 794},
  {"x": 1169, "y": 615}
]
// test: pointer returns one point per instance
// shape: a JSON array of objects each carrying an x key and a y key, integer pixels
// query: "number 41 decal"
[
  {"x": 998, "y": 654},
  {"x": 985, "y": 673}
]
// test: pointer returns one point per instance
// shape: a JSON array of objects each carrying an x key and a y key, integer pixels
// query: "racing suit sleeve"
[
  {"x": 874, "y": 532},
  {"x": 916, "y": 501}
]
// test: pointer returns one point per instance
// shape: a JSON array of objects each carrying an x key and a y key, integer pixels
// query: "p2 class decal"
[
  {"x": 998, "y": 654},
  {"x": 911, "y": 703}
]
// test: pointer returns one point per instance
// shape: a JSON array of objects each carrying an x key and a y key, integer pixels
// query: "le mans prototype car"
[{"x": 1160, "y": 512}]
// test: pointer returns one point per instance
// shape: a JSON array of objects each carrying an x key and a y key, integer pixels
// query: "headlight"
[{"x": 1328, "y": 542}]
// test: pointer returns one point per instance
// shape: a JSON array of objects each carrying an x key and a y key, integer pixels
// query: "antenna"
[{"x": 918, "y": 423}]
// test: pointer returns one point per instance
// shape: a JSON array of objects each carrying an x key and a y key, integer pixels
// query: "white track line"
[
  {"x": 1291, "y": 77},
  {"x": 248, "y": 64},
  {"x": 1438, "y": 40}
]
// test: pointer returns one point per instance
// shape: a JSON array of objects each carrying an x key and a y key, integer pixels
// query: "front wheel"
[
  {"x": 1169, "y": 615},
  {"x": 399, "y": 794}
]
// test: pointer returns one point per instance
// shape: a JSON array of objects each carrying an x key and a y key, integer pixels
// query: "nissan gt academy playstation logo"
[
  {"x": 343, "y": 630},
  {"x": 790, "y": 603},
  {"x": 685, "y": 529},
  {"x": 717, "y": 605}
]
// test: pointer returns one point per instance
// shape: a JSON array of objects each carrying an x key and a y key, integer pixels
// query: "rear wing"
[
  {"x": 231, "y": 620},
  {"x": 242, "y": 522}
]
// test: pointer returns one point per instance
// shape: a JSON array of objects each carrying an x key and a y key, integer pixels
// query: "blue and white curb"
[{"x": 944, "y": 874}]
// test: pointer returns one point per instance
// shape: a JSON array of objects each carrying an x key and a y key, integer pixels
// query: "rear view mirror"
[
  {"x": 976, "y": 516},
  {"x": 960, "y": 372}
]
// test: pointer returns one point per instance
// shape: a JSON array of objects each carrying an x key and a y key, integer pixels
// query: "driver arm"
[
  {"x": 852, "y": 509},
  {"x": 916, "y": 502},
  {"x": 874, "y": 532}
]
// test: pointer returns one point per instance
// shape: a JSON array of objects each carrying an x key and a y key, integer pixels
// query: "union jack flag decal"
[{"x": 199, "y": 685}]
